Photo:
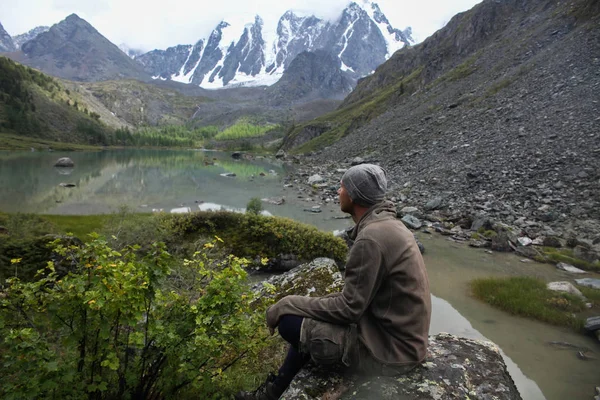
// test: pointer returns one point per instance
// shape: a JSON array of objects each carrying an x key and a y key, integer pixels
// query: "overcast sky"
[{"x": 149, "y": 25}]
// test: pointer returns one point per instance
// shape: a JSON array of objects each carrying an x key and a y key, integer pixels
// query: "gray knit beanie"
[{"x": 366, "y": 184}]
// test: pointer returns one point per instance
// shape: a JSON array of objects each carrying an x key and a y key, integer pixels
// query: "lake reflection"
[{"x": 138, "y": 179}]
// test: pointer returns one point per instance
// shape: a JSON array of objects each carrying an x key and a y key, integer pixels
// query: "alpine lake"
[{"x": 542, "y": 359}]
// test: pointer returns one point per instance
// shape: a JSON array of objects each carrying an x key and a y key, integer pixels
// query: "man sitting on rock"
[{"x": 379, "y": 323}]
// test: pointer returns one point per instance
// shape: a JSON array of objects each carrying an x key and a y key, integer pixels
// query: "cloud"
[{"x": 146, "y": 25}]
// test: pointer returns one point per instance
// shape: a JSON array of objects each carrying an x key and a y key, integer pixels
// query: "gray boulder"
[
  {"x": 592, "y": 324},
  {"x": 434, "y": 204},
  {"x": 412, "y": 222},
  {"x": 64, "y": 162},
  {"x": 566, "y": 287},
  {"x": 455, "y": 368},
  {"x": 317, "y": 278},
  {"x": 314, "y": 179},
  {"x": 501, "y": 242}
]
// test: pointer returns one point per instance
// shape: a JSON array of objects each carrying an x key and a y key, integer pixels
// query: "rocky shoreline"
[
  {"x": 481, "y": 223},
  {"x": 531, "y": 236}
]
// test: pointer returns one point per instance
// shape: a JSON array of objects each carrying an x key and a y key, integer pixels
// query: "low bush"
[
  {"x": 250, "y": 235},
  {"x": 118, "y": 327},
  {"x": 254, "y": 206}
]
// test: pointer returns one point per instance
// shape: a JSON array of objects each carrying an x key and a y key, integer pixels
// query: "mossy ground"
[{"x": 529, "y": 297}]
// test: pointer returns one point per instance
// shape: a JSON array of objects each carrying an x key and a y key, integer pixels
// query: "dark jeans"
[{"x": 289, "y": 329}]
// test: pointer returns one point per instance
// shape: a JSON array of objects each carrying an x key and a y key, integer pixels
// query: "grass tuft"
[{"x": 529, "y": 297}]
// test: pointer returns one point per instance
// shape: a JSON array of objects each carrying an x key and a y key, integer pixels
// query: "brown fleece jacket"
[{"x": 386, "y": 291}]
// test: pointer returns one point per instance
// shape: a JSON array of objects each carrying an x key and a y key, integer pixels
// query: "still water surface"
[{"x": 143, "y": 180}]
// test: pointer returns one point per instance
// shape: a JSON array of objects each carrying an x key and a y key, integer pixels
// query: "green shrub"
[
  {"x": 529, "y": 297},
  {"x": 254, "y": 206},
  {"x": 109, "y": 329},
  {"x": 249, "y": 235}
]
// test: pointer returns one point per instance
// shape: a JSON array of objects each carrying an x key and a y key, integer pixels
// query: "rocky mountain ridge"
[
  {"x": 362, "y": 38},
  {"x": 6, "y": 41},
  {"x": 496, "y": 116},
  {"x": 19, "y": 40},
  {"x": 74, "y": 49}
]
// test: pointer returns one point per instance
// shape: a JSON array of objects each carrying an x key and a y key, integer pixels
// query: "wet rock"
[
  {"x": 236, "y": 155},
  {"x": 589, "y": 282},
  {"x": 412, "y": 222},
  {"x": 501, "y": 242},
  {"x": 569, "y": 268},
  {"x": 551, "y": 241},
  {"x": 528, "y": 252},
  {"x": 454, "y": 368},
  {"x": 274, "y": 200},
  {"x": 229, "y": 175},
  {"x": 314, "y": 210},
  {"x": 64, "y": 162},
  {"x": 420, "y": 245},
  {"x": 566, "y": 287},
  {"x": 67, "y": 185},
  {"x": 592, "y": 324}
]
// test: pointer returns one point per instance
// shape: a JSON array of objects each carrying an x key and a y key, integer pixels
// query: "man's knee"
[
  {"x": 328, "y": 343},
  {"x": 289, "y": 328}
]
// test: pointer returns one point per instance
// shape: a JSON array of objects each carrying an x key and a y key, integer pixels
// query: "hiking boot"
[{"x": 269, "y": 390}]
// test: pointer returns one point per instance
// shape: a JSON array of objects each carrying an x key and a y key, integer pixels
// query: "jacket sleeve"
[{"x": 364, "y": 272}]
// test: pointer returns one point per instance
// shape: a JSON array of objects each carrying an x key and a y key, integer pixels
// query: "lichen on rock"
[{"x": 455, "y": 368}]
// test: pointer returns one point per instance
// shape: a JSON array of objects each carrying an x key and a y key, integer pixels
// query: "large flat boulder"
[{"x": 455, "y": 368}]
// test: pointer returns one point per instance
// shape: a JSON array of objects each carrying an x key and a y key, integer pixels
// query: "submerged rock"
[
  {"x": 455, "y": 368},
  {"x": 64, "y": 162}
]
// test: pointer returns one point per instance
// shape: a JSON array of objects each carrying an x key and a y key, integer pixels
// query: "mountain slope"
[
  {"x": 6, "y": 42},
  {"x": 252, "y": 55},
  {"x": 310, "y": 76},
  {"x": 73, "y": 49},
  {"x": 498, "y": 113},
  {"x": 36, "y": 105}
]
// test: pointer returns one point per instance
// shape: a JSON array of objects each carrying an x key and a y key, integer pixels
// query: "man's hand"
[{"x": 272, "y": 319}]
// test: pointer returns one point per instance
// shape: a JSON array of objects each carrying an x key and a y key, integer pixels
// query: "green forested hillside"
[{"x": 37, "y": 107}]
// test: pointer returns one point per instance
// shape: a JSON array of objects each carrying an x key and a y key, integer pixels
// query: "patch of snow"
[{"x": 392, "y": 44}]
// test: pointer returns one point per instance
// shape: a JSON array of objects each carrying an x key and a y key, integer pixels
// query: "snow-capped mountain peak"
[{"x": 248, "y": 53}]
